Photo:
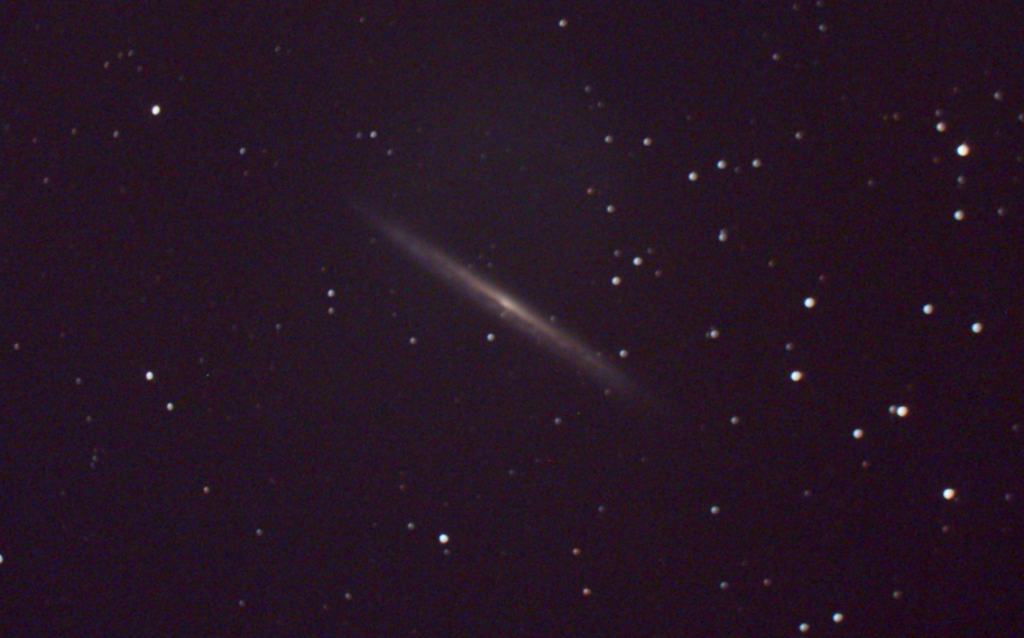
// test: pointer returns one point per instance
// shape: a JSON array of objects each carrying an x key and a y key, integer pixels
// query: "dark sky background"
[{"x": 234, "y": 408}]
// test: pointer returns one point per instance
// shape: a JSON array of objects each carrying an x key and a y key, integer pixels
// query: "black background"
[{"x": 323, "y": 410}]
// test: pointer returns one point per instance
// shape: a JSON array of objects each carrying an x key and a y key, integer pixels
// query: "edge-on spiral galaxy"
[{"x": 492, "y": 298}]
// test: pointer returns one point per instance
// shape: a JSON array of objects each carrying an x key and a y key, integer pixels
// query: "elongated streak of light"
[{"x": 493, "y": 298}]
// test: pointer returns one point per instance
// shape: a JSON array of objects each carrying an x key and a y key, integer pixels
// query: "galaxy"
[
  {"x": 512, "y": 311},
  {"x": 512, "y": 319}
]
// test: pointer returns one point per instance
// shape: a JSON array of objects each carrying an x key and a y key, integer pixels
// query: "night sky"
[{"x": 237, "y": 402}]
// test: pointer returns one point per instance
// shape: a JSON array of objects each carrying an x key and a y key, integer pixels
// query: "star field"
[{"x": 233, "y": 406}]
